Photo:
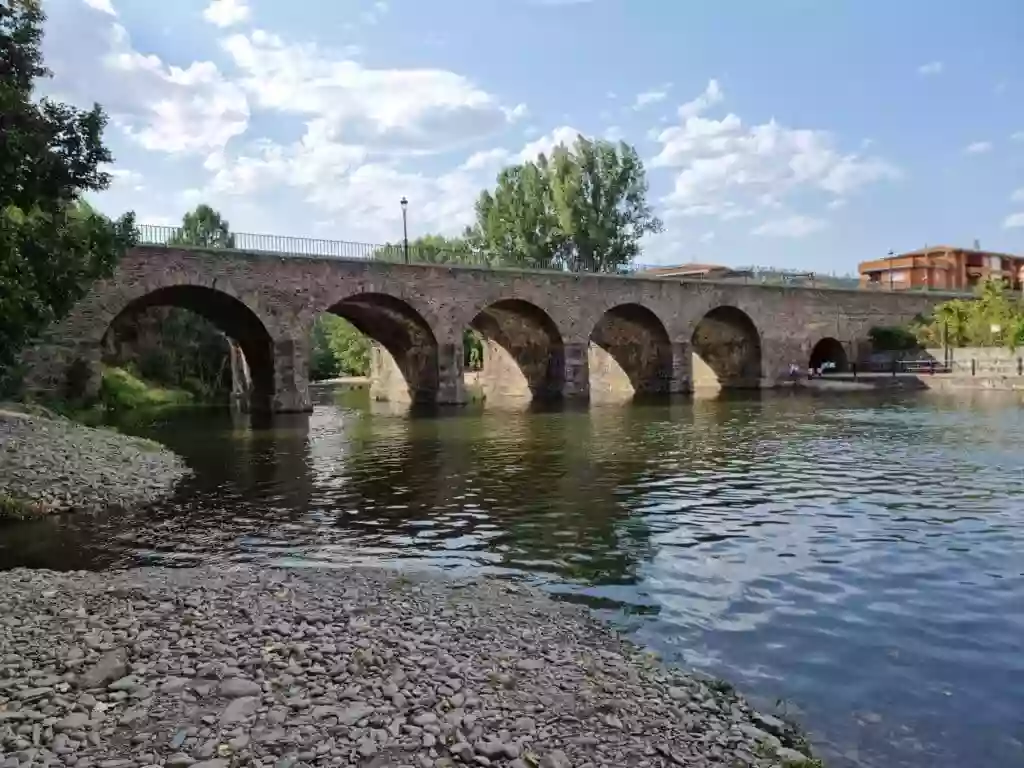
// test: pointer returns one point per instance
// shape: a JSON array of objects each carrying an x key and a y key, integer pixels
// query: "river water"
[{"x": 857, "y": 563}]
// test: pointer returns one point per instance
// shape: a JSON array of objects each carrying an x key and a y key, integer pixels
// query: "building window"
[
  {"x": 898, "y": 275},
  {"x": 874, "y": 277}
]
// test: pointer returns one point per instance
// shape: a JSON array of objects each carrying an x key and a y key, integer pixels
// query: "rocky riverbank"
[
  {"x": 220, "y": 667},
  {"x": 56, "y": 465}
]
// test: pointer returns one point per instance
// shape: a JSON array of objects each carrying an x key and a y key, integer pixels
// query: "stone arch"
[
  {"x": 524, "y": 355},
  {"x": 404, "y": 352},
  {"x": 829, "y": 350},
  {"x": 726, "y": 347},
  {"x": 630, "y": 354},
  {"x": 232, "y": 317}
]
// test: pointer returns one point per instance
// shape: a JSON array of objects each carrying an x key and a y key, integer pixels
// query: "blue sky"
[{"x": 792, "y": 133}]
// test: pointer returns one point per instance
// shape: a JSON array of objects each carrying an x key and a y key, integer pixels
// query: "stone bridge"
[{"x": 546, "y": 334}]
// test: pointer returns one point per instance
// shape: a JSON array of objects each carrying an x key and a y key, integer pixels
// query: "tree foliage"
[
  {"x": 52, "y": 245},
  {"x": 431, "y": 249},
  {"x": 584, "y": 209},
  {"x": 994, "y": 318},
  {"x": 205, "y": 228},
  {"x": 339, "y": 349}
]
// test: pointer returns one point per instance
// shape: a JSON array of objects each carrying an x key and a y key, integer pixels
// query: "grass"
[
  {"x": 13, "y": 510},
  {"x": 120, "y": 390}
]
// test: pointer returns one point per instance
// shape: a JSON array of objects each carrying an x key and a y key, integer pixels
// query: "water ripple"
[{"x": 858, "y": 561}]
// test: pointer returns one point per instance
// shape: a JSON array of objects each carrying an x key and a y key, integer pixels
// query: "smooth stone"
[
  {"x": 237, "y": 687},
  {"x": 127, "y": 683},
  {"x": 111, "y": 666},
  {"x": 353, "y": 714},
  {"x": 240, "y": 710},
  {"x": 73, "y": 722},
  {"x": 555, "y": 759}
]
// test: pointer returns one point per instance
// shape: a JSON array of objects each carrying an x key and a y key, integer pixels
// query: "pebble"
[
  {"x": 63, "y": 466},
  {"x": 273, "y": 668},
  {"x": 236, "y": 688}
]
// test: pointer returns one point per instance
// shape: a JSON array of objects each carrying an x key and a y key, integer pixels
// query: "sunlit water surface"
[{"x": 857, "y": 563}]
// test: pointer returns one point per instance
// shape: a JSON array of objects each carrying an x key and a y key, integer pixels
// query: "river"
[{"x": 856, "y": 562}]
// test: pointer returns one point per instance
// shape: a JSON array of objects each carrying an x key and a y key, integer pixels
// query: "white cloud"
[
  {"x": 1017, "y": 196},
  {"x": 707, "y": 237},
  {"x": 1013, "y": 221},
  {"x": 518, "y": 112},
  {"x": 227, "y": 13},
  {"x": 712, "y": 95},
  {"x": 726, "y": 170},
  {"x": 614, "y": 133},
  {"x": 375, "y": 13},
  {"x": 791, "y": 226},
  {"x": 931, "y": 68},
  {"x": 413, "y": 110},
  {"x": 835, "y": 205},
  {"x": 564, "y": 134},
  {"x": 193, "y": 109},
  {"x": 127, "y": 178},
  {"x": 1018, "y": 136},
  {"x": 105, "y": 6},
  {"x": 652, "y": 96},
  {"x": 978, "y": 147}
]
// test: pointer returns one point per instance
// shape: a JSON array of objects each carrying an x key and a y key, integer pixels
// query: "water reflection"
[{"x": 858, "y": 558}]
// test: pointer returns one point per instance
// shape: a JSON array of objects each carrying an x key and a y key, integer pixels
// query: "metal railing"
[{"x": 414, "y": 253}]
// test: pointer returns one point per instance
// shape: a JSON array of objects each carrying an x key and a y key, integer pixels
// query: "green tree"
[
  {"x": 431, "y": 249},
  {"x": 584, "y": 209},
  {"x": 204, "y": 228},
  {"x": 52, "y": 245},
  {"x": 994, "y": 318},
  {"x": 349, "y": 348}
]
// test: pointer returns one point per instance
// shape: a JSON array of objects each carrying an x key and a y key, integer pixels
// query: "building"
[
  {"x": 749, "y": 275},
  {"x": 941, "y": 268},
  {"x": 695, "y": 272}
]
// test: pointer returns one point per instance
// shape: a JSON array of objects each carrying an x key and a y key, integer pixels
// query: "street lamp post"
[
  {"x": 891, "y": 257},
  {"x": 405, "y": 229}
]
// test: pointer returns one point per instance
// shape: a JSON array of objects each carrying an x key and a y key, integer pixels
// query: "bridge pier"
[
  {"x": 577, "y": 371},
  {"x": 451, "y": 386},
  {"x": 682, "y": 368},
  {"x": 291, "y": 380}
]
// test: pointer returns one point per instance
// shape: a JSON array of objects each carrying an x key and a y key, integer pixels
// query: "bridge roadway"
[{"x": 547, "y": 335}]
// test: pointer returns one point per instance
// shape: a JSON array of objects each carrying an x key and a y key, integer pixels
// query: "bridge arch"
[
  {"x": 524, "y": 355},
  {"x": 829, "y": 350},
  {"x": 404, "y": 351},
  {"x": 630, "y": 354},
  {"x": 228, "y": 314},
  {"x": 726, "y": 346}
]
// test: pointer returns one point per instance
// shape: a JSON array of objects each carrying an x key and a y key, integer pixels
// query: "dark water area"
[{"x": 856, "y": 562}]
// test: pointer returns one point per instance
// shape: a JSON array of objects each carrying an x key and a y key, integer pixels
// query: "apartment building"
[{"x": 941, "y": 267}]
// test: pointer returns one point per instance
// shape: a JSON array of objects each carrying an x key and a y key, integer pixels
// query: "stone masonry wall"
[{"x": 271, "y": 302}]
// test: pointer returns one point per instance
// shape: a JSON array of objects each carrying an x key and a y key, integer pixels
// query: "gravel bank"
[
  {"x": 56, "y": 465},
  {"x": 220, "y": 667}
]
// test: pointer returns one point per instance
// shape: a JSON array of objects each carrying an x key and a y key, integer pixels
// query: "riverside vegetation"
[{"x": 994, "y": 318}]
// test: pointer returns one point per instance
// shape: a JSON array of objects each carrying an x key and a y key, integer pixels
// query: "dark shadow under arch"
[
  {"x": 830, "y": 350},
  {"x": 726, "y": 350},
  {"x": 404, "y": 359},
  {"x": 630, "y": 354},
  {"x": 524, "y": 356},
  {"x": 232, "y": 317}
]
